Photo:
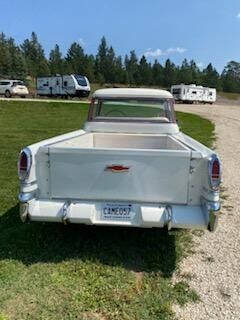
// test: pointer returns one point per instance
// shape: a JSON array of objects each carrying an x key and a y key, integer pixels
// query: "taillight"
[
  {"x": 24, "y": 163},
  {"x": 214, "y": 172}
]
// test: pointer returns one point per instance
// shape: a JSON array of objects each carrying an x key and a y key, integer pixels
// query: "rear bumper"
[
  {"x": 20, "y": 93},
  {"x": 146, "y": 215}
]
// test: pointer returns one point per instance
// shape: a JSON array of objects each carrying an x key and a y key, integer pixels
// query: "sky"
[{"x": 203, "y": 30}]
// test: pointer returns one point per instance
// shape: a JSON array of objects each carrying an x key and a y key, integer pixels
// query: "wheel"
[
  {"x": 8, "y": 94},
  {"x": 23, "y": 97}
]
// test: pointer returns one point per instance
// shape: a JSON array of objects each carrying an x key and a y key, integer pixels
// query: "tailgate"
[{"x": 149, "y": 175}]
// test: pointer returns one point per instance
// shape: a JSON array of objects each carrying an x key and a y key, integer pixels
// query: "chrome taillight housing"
[
  {"x": 24, "y": 163},
  {"x": 215, "y": 172}
]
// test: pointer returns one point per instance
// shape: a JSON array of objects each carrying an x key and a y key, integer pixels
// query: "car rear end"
[
  {"x": 19, "y": 89},
  {"x": 107, "y": 175}
]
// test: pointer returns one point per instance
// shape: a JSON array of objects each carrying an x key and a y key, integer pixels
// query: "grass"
[
  {"x": 49, "y": 271},
  {"x": 198, "y": 128},
  {"x": 229, "y": 95}
]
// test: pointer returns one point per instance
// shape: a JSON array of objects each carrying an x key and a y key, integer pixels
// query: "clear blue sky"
[{"x": 205, "y": 30}]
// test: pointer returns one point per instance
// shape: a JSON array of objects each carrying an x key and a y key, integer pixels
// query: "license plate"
[{"x": 117, "y": 212}]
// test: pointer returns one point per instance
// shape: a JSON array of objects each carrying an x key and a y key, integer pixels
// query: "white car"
[
  {"x": 10, "y": 88},
  {"x": 129, "y": 166}
]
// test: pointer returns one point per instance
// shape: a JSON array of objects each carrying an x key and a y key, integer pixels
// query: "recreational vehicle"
[
  {"x": 63, "y": 85},
  {"x": 192, "y": 93}
]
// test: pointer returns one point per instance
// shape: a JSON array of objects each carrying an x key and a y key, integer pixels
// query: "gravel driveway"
[{"x": 214, "y": 270}]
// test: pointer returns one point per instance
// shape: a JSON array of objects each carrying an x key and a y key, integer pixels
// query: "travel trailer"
[
  {"x": 63, "y": 85},
  {"x": 192, "y": 93}
]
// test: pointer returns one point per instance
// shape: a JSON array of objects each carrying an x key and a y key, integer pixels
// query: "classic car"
[{"x": 129, "y": 166}]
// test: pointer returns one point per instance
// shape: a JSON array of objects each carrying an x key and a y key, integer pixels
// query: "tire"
[{"x": 8, "y": 94}]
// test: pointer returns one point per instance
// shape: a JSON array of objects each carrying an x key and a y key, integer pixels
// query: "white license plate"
[{"x": 117, "y": 212}]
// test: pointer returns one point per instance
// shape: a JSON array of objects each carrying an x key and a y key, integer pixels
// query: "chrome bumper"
[
  {"x": 211, "y": 209},
  {"x": 147, "y": 215}
]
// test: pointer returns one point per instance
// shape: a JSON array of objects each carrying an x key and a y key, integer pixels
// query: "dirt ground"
[{"x": 214, "y": 269}]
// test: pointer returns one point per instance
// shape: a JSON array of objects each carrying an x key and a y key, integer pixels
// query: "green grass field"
[
  {"x": 51, "y": 271},
  {"x": 229, "y": 95}
]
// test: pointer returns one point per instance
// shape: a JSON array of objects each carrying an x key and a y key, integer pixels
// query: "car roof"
[{"x": 132, "y": 93}]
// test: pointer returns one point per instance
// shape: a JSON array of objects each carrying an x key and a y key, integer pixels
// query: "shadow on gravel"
[{"x": 140, "y": 250}]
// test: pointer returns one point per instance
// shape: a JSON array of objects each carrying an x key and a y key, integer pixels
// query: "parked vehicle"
[
  {"x": 10, "y": 88},
  {"x": 64, "y": 86},
  {"x": 129, "y": 166},
  {"x": 192, "y": 93}
]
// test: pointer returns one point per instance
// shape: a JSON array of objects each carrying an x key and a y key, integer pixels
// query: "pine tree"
[
  {"x": 131, "y": 65},
  {"x": 170, "y": 74},
  {"x": 101, "y": 66},
  {"x": 17, "y": 66},
  {"x": 120, "y": 72},
  {"x": 4, "y": 56},
  {"x": 110, "y": 72},
  {"x": 37, "y": 64},
  {"x": 185, "y": 73},
  {"x": 56, "y": 61},
  {"x": 195, "y": 73},
  {"x": 210, "y": 77},
  {"x": 231, "y": 77},
  {"x": 157, "y": 74},
  {"x": 12, "y": 63},
  {"x": 89, "y": 67},
  {"x": 145, "y": 72},
  {"x": 76, "y": 60}
]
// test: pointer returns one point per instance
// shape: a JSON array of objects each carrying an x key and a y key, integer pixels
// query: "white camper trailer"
[
  {"x": 65, "y": 86},
  {"x": 192, "y": 93}
]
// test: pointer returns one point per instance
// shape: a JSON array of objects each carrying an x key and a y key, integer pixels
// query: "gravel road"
[{"x": 214, "y": 270}]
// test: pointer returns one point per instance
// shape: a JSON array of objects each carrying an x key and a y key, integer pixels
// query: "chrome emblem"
[{"x": 117, "y": 168}]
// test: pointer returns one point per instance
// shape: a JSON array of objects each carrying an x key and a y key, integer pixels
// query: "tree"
[
  {"x": 76, "y": 60},
  {"x": 131, "y": 65},
  {"x": 185, "y": 73},
  {"x": 101, "y": 66},
  {"x": 4, "y": 55},
  {"x": 210, "y": 77},
  {"x": 195, "y": 72},
  {"x": 121, "y": 74},
  {"x": 56, "y": 61},
  {"x": 145, "y": 72},
  {"x": 89, "y": 67},
  {"x": 170, "y": 74},
  {"x": 110, "y": 72},
  {"x": 231, "y": 77},
  {"x": 157, "y": 74},
  {"x": 12, "y": 63},
  {"x": 36, "y": 62}
]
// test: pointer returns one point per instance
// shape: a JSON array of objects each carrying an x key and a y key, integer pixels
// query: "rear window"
[
  {"x": 81, "y": 80},
  {"x": 18, "y": 83},
  {"x": 133, "y": 110}
]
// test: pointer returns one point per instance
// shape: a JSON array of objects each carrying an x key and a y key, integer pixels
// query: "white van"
[
  {"x": 72, "y": 85},
  {"x": 10, "y": 88}
]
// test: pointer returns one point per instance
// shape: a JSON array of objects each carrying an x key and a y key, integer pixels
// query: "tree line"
[{"x": 29, "y": 60}]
